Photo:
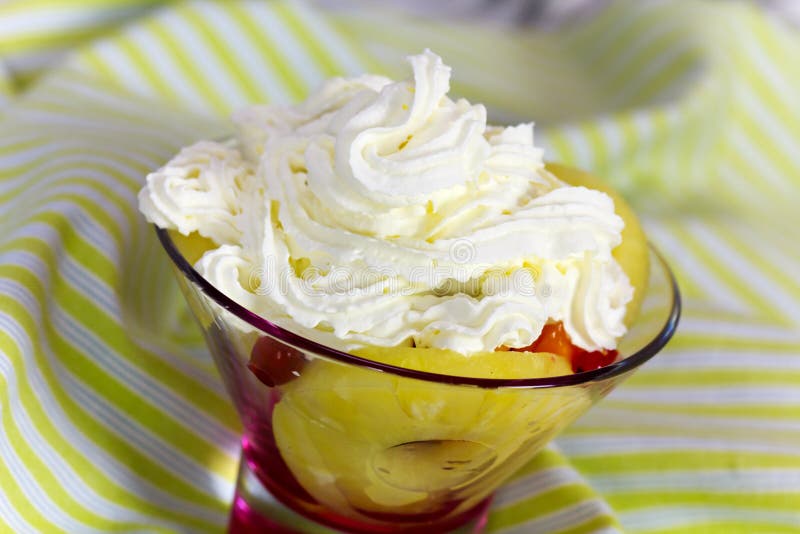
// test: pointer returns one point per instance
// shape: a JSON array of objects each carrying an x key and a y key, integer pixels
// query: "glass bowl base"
[{"x": 257, "y": 510}]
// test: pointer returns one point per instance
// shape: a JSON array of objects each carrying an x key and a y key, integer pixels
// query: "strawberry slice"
[{"x": 275, "y": 363}]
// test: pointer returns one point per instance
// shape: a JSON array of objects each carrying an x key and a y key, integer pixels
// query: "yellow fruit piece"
[
  {"x": 500, "y": 364},
  {"x": 363, "y": 441},
  {"x": 632, "y": 254},
  {"x": 191, "y": 246}
]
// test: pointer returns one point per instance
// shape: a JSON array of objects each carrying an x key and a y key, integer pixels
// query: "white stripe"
[
  {"x": 759, "y": 163},
  {"x": 737, "y": 330},
  {"x": 86, "y": 223},
  {"x": 165, "y": 66},
  {"x": 8, "y": 514},
  {"x": 116, "y": 365},
  {"x": 58, "y": 467},
  {"x": 671, "y": 26},
  {"x": 703, "y": 278},
  {"x": 92, "y": 287},
  {"x": 564, "y": 518},
  {"x": 584, "y": 155},
  {"x": 141, "y": 384},
  {"x": 738, "y": 184},
  {"x": 121, "y": 67},
  {"x": 771, "y": 127},
  {"x": 769, "y": 250},
  {"x": 734, "y": 481},
  {"x": 274, "y": 89},
  {"x": 148, "y": 127},
  {"x": 643, "y": 126},
  {"x": 622, "y": 443},
  {"x": 130, "y": 111},
  {"x": 28, "y": 483},
  {"x": 630, "y": 90},
  {"x": 177, "y": 356},
  {"x": 609, "y": 418},
  {"x": 77, "y": 162},
  {"x": 60, "y": 18},
  {"x": 22, "y": 157},
  {"x": 145, "y": 156},
  {"x": 73, "y": 213},
  {"x": 327, "y": 37},
  {"x": 118, "y": 473},
  {"x": 286, "y": 43},
  {"x": 688, "y": 517},
  {"x": 534, "y": 484},
  {"x": 197, "y": 49},
  {"x": 608, "y": 37},
  {"x": 68, "y": 267},
  {"x": 108, "y": 129},
  {"x": 610, "y": 131},
  {"x": 747, "y": 273},
  {"x": 722, "y": 359},
  {"x": 714, "y": 395},
  {"x": 32, "y": 61},
  {"x": 767, "y": 70}
]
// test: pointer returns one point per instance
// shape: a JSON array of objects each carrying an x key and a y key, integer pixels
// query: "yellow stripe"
[
  {"x": 547, "y": 501},
  {"x": 8, "y": 485},
  {"x": 82, "y": 466},
  {"x": 725, "y": 275},
  {"x": 101, "y": 435},
  {"x": 609, "y": 464},
  {"x": 183, "y": 59},
  {"x": 325, "y": 61},
  {"x": 269, "y": 50}
]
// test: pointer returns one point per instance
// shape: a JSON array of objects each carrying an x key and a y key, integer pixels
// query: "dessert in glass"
[{"x": 405, "y": 303}]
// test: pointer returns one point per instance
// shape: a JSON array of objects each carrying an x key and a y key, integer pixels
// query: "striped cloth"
[{"x": 112, "y": 418}]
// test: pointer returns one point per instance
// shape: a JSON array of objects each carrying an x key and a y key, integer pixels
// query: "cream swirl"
[
  {"x": 386, "y": 213},
  {"x": 199, "y": 190}
]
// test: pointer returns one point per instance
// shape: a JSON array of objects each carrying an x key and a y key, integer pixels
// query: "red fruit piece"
[
  {"x": 555, "y": 340},
  {"x": 589, "y": 361},
  {"x": 275, "y": 363}
]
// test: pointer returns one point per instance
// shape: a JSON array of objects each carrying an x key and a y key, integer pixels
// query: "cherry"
[{"x": 275, "y": 363}]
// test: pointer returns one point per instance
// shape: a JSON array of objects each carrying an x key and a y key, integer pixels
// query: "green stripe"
[
  {"x": 547, "y": 501},
  {"x": 683, "y": 341},
  {"x": 119, "y": 395},
  {"x": 82, "y": 466},
  {"x": 680, "y": 460},
  {"x": 291, "y": 19},
  {"x": 269, "y": 51},
  {"x": 12, "y": 491},
  {"x": 723, "y": 273},
  {"x": 224, "y": 53},
  {"x": 700, "y": 377},
  {"x": 188, "y": 69},
  {"x": 626, "y": 501},
  {"x": 732, "y": 411},
  {"x": 726, "y": 527}
]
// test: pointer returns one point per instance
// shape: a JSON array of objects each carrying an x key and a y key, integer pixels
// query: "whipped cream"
[{"x": 386, "y": 213}]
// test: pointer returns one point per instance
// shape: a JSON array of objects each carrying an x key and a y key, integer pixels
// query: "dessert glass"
[{"x": 335, "y": 442}]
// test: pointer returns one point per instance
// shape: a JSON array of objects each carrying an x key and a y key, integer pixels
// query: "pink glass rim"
[{"x": 305, "y": 344}]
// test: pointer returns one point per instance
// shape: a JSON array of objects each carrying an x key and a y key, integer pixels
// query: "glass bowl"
[{"x": 336, "y": 442}]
